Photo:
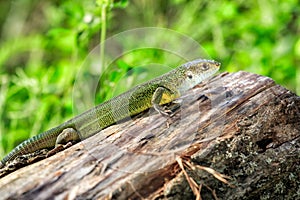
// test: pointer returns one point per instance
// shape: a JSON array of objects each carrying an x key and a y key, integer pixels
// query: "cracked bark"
[{"x": 241, "y": 125}]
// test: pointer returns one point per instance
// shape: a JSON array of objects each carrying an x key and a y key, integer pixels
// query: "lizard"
[{"x": 154, "y": 93}]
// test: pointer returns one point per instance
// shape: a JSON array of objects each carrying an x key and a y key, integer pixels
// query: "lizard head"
[{"x": 196, "y": 71}]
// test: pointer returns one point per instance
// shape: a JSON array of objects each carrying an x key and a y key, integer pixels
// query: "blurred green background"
[{"x": 43, "y": 44}]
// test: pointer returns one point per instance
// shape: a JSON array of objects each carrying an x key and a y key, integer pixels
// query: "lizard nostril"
[{"x": 217, "y": 63}]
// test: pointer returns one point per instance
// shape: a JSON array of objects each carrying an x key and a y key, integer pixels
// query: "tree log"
[{"x": 235, "y": 136}]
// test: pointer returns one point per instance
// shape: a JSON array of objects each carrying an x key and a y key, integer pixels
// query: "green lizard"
[{"x": 156, "y": 92}]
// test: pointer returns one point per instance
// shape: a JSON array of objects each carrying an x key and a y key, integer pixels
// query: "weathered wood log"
[{"x": 241, "y": 125}]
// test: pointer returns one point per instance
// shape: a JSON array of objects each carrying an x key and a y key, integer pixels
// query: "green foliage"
[{"x": 43, "y": 45}]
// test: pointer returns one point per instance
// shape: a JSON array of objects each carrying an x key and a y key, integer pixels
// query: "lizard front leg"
[{"x": 161, "y": 96}]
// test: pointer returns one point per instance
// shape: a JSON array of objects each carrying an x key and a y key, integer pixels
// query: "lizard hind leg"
[
  {"x": 67, "y": 135},
  {"x": 64, "y": 140}
]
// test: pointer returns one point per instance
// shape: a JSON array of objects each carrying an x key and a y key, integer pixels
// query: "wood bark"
[{"x": 235, "y": 136}]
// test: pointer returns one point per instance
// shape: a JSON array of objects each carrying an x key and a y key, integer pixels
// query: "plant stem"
[{"x": 103, "y": 4}]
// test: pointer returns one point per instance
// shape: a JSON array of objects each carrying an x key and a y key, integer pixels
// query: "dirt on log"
[{"x": 235, "y": 136}]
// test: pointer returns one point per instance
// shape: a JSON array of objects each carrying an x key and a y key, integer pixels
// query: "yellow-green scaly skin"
[{"x": 130, "y": 103}]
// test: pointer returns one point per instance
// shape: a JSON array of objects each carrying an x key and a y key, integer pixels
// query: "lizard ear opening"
[{"x": 189, "y": 74}]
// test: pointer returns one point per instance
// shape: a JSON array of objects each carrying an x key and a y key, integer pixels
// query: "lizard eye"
[
  {"x": 205, "y": 66},
  {"x": 189, "y": 75}
]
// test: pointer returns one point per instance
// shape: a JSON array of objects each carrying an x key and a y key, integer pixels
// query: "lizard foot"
[{"x": 58, "y": 148}]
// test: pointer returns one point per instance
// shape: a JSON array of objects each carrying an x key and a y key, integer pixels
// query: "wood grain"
[{"x": 240, "y": 124}]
